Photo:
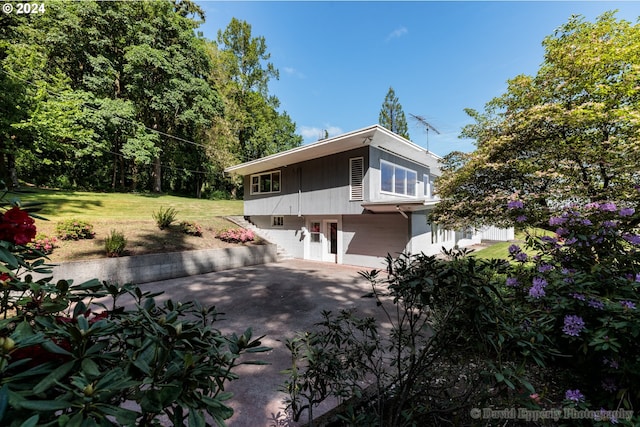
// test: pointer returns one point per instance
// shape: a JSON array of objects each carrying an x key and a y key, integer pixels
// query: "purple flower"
[
  {"x": 537, "y": 289},
  {"x": 515, "y": 204},
  {"x": 610, "y": 363},
  {"x": 514, "y": 249},
  {"x": 556, "y": 220},
  {"x": 609, "y": 385},
  {"x": 574, "y": 395},
  {"x": 626, "y": 212},
  {"x": 637, "y": 277},
  {"x": 561, "y": 231},
  {"x": 599, "y": 305},
  {"x": 628, "y": 304},
  {"x": 608, "y": 207},
  {"x": 609, "y": 224},
  {"x": 543, "y": 268},
  {"x": 579, "y": 297},
  {"x": 573, "y": 325},
  {"x": 634, "y": 239},
  {"x": 522, "y": 257},
  {"x": 592, "y": 205},
  {"x": 586, "y": 222},
  {"x": 521, "y": 218},
  {"x": 549, "y": 239},
  {"x": 512, "y": 281},
  {"x": 570, "y": 241}
]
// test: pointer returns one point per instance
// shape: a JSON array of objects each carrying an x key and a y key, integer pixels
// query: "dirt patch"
[{"x": 143, "y": 237}]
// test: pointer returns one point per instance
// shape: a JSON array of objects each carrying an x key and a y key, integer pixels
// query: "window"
[
  {"x": 277, "y": 221},
  {"x": 356, "y": 166},
  {"x": 398, "y": 180},
  {"x": 315, "y": 231},
  {"x": 265, "y": 183}
]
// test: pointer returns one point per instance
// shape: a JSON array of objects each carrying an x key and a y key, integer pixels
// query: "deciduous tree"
[{"x": 571, "y": 133}]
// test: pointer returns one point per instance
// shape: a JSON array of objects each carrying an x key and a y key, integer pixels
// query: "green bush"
[
  {"x": 115, "y": 244},
  {"x": 100, "y": 354},
  {"x": 74, "y": 229},
  {"x": 191, "y": 228},
  {"x": 164, "y": 217}
]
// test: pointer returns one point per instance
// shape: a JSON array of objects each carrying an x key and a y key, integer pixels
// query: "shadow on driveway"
[{"x": 275, "y": 300}]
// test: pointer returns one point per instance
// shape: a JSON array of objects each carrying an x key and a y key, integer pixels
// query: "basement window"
[{"x": 277, "y": 221}]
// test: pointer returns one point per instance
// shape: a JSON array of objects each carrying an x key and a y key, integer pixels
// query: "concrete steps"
[{"x": 240, "y": 221}]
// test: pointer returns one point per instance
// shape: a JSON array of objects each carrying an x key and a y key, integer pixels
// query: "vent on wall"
[{"x": 356, "y": 166}]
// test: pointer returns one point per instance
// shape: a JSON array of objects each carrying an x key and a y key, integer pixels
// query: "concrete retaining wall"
[{"x": 154, "y": 267}]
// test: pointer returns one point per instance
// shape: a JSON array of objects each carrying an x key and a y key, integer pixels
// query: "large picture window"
[
  {"x": 268, "y": 182},
  {"x": 397, "y": 180}
]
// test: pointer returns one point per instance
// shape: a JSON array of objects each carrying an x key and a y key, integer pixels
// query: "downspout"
[{"x": 299, "y": 192}]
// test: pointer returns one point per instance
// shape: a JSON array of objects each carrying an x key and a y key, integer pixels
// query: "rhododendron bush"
[
  {"x": 236, "y": 235},
  {"x": 97, "y": 353}
]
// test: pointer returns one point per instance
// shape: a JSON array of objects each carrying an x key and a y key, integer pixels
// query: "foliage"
[
  {"x": 74, "y": 229},
  {"x": 236, "y": 235},
  {"x": 103, "y": 354},
  {"x": 115, "y": 244},
  {"x": 392, "y": 116},
  {"x": 559, "y": 328},
  {"x": 164, "y": 217},
  {"x": 191, "y": 228},
  {"x": 43, "y": 243},
  {"x": 569, "y": 133},
  {"x": 582, "y": 291},
  {"x": 129, "y": 96}
]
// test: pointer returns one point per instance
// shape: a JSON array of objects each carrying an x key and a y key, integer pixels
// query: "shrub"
[
  {"x": 115, "y": 244},
  {"x": 557, "y": 329},
  {"x": 236, "y": 235},
  {"x": 164, "y": 217},
  {"x": 74, "y": 229},
  {"x": 43, "y": 244},
  {"x": 191, "y": 228},
  {"x": 68, "y": 359}
]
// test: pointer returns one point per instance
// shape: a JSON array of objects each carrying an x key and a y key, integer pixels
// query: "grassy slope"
[
  {"x": 125, "y": 206},
  {"x": 130, "y": 214},
  {"x": 501, "y": 250}
]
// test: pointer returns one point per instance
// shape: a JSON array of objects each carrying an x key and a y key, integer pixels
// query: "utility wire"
[{"x": 59, "y": 95}]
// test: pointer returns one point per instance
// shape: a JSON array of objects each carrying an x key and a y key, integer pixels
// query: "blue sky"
[{"x": 338, "y": 59}]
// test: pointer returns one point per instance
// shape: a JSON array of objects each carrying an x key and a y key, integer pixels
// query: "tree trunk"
[
  {"x": 13, "y": 172},
  {"x": 157, "y": 175}
]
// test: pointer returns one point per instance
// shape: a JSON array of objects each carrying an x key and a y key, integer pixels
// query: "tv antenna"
[{"x": 426, "y": 124}]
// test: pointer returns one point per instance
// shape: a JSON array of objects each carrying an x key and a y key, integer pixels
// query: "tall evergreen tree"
[{"x": 391, "y": 115}]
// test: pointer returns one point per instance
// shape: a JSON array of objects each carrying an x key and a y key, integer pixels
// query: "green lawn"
[
  {"x": 125, "y": 206},
  {"x": 501, "y": 250}
]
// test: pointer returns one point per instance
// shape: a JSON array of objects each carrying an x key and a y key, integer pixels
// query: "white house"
[{"x": 351, "y": 199}]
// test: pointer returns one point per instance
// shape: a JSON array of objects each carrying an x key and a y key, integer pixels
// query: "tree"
[
  {"x": 569, "y": 134},
  {"x": 253, "y": 126},
  {"x": 391, "y": 115}
]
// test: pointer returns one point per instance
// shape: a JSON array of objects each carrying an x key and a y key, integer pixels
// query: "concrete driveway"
[{"x": 276, "y": 300}]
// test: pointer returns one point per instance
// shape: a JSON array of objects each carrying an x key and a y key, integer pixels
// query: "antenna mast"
[{"x": 426, "y": 124}]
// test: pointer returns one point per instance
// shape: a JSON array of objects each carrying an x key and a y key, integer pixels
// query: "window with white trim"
[
  {"x": 277, "y": 221},
  {"x": 268, "y": 182},
  {"x": 397, "y": 179},
  {"x": 429, "y": 186}
]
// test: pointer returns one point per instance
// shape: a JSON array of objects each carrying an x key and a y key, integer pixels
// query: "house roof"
[{"x": 375, "y": 135}]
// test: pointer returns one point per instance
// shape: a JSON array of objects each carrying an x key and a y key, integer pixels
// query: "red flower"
[{"x": 16, "y": 226}]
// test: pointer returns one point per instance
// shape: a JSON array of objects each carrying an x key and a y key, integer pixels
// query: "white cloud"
[
  {"x": 312, "y": 133},
  {"x": 397, "y": 33},
  {"x": 293, "y": 72}
]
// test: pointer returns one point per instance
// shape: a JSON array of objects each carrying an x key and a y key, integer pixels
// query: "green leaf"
[
  {"x": 90, "y": 368},
  {"x": 196, "y": 418},
  {"x": 31, "y": 421},
  {"x": 45, "y": 405},
  {"x": 54, "y": 376},
  {"x": 4, "y": 400}
]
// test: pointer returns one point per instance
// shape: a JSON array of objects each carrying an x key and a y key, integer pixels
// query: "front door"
[{"x": 331, "y": 236}]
